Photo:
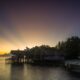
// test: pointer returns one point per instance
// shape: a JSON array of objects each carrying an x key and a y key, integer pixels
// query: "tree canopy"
[{"x": 70, "y": 47}]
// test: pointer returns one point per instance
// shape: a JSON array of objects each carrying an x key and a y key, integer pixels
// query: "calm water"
[{"x": 28, "y": 72}]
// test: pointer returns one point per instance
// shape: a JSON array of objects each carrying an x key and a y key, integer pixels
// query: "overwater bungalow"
[{"x": 17, "y": 55}]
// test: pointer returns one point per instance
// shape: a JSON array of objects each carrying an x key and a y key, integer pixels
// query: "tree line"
[{"x": 69, "y": 49}]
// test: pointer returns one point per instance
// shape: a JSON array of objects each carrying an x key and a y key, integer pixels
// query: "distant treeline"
[{"x": 69, "y": 49}]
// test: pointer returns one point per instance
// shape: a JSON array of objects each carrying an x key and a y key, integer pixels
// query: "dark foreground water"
[{"x": 28, "y": 72}]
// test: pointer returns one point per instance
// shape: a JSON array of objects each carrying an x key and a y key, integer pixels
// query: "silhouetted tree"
[
  {"x": 70, "y": 47},
  {"x": 38, "y": 53}
]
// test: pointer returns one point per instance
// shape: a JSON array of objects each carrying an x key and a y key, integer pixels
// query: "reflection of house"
[{"x": 17, "y": 55}]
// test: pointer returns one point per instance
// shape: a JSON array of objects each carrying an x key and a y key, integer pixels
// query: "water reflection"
[
  {"x": 45, "y": 73},
  {"x": 30, "y": 72},
  {"x": 74, "y": 75},
  {"x": 4, "y": 70},
  {"x": 17, "y": 72}
]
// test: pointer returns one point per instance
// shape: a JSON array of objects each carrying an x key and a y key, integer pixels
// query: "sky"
[{"x": 26, "y": 23}]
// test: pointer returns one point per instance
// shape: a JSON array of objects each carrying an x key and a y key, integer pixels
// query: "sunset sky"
[{"x": 37, "y": 22}]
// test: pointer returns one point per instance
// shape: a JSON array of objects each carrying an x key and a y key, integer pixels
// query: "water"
[{"x": 29, "y": 72}]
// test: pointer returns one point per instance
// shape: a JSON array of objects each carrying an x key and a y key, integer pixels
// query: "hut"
[{"x": 17, "y": 55}]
